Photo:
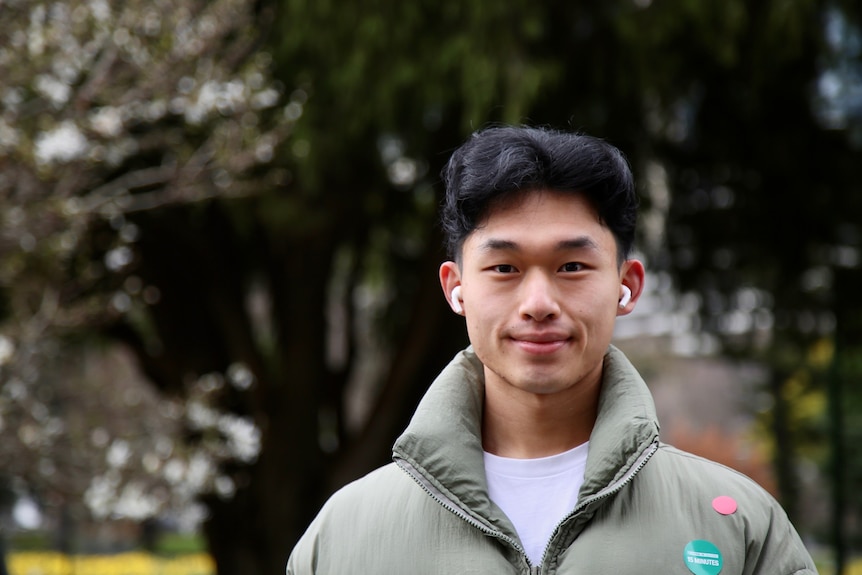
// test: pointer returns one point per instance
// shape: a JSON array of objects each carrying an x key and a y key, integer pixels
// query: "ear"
[
  {"x": 632, "y": 276},
  {"x": 450, "y": 278}
]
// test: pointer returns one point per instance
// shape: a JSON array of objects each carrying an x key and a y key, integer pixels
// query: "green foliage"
[
  {"x": 255, "y": 187},
  {"x": 177, "y": 544},
  {"x": 31, "y": 541}
]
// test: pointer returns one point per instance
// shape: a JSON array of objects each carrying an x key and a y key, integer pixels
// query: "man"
[{"x": 536, "y": 450}]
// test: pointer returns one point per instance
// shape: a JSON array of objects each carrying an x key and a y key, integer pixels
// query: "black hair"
[{"x": 497, "y": 162}]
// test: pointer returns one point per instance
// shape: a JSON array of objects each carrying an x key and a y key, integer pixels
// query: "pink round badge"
[{"x": 724, "y": 505}]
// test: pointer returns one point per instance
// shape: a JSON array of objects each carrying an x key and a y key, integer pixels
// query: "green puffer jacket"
[{"x": 644, "y": 506}]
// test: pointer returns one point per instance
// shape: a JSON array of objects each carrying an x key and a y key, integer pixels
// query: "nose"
[{"x": 539, "y": 298}]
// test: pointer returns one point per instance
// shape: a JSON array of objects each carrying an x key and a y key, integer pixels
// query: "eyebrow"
[{"x": 580, "y": 242}]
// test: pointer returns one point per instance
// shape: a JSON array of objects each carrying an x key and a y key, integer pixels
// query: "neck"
[{"x": 524, "y": 425}]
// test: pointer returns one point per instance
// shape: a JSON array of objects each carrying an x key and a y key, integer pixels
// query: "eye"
[
  {"x": 504, "y": 269},
  {"x": 572, "y": 267}
]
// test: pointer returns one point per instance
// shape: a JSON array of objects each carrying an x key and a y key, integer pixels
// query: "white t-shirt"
[{"x": 536, "y": 494}]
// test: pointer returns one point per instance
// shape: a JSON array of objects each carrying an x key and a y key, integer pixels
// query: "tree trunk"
[{"x": 788, "y": 485}]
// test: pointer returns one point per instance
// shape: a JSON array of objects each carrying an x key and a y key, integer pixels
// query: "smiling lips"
[{"x": 541, "y": 344}]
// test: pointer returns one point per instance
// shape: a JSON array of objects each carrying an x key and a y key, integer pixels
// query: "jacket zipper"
[
  {"x": 644, "y": 457},
  {"x": 449, "y": 505},
  {"x": 533, "y": 569}
]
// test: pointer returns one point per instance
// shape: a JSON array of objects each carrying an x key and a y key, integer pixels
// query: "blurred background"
[{"x": 219, "y": 250}]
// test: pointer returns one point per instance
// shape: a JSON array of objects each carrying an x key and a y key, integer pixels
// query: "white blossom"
[
  {"x": 107, "y": 121},
  {"x": 118, "y": 454},
  {"x": 243, "y": 437},
  {"x": 53, "y": 89},
  {"x": 7, "y": 349},
  {"x": 135, "y": 502},
  {"x": 62, "y": 144}
]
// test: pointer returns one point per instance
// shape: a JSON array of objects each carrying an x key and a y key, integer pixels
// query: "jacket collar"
[{"x": 443, "y": 441}]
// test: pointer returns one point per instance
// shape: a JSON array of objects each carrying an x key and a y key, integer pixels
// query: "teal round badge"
[{"x": 702, "y": 557}]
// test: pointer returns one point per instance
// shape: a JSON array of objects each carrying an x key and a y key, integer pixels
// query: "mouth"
[{"x": 540, "y": 344}]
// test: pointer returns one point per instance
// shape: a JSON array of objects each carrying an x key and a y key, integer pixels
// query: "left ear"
[{"x": 632, "y": 276}]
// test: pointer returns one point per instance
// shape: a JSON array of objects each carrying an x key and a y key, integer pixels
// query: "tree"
[
  {"x": 765, "y": 229},
  {"x": 259, "y": 230},
  {"x": 765, "y": 204},
  {"x": 110, "y": 112}
]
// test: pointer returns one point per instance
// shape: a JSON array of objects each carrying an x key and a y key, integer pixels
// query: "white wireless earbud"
[
  {"x": 627, "y": 296},
  {"x": 456, "y": 299}
]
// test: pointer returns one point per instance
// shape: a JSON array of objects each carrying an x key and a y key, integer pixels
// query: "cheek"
[
  {"x": 600, "y": 314},
  {"x": 476, "y": 328},
  {"x": 482, "y": 324},
  {"x": 607, "y": 320},
  {"x": 603, "y": 301}
]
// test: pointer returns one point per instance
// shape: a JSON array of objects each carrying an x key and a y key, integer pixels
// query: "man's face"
[{"x": 540, "y": 284}]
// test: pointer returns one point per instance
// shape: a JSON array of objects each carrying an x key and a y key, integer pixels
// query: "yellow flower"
[{"x": 133, "y": 563}]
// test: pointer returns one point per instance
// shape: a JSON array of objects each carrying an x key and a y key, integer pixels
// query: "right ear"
[{"x": 450, "y": 278}]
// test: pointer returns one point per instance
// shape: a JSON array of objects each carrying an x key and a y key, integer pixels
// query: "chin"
[{"x": 543, "y": 384}]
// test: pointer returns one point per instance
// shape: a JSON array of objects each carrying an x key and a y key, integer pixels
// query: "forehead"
[
  {"x": 541, "y": 220},
  {"x": 541, "y": 207}
]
